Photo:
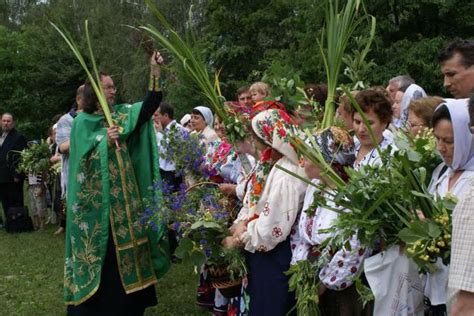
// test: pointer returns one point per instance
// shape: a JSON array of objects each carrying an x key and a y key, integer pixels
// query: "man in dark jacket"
[{"x": 11, "y": 183}]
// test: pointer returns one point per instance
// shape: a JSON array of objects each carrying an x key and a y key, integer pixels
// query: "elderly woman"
[
  {"x": 396, "y": 121},
  {"x": 201, "y": 123},
  {"x": 270, "y": 207},
  {"x": 412, "y": 93},
  {"x": 455, "y": 144},
  {"x": 420, "y": 112}
]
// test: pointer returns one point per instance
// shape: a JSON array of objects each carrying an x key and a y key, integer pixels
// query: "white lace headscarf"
[
  {"x": 413, "y": 92},
  {"x": 463, "y": 157}
]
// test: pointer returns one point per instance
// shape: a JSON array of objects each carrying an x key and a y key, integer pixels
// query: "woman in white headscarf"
[
  {"x": 455, "y": 144},
  {"x": 201, "y": 123},
  {"x": 413, "y": 92}
]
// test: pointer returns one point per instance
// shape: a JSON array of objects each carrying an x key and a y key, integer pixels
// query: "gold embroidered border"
[
  {"x": 134, "y": 243},
  {"x": 140, "y": 286},
  {"x": 85, "y": 298},
  {"x": 127, "y": 209},
  {"x": 131, "y": 244}
]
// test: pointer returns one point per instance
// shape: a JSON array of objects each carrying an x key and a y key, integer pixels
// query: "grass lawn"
[{"x": 31, "y": 278}]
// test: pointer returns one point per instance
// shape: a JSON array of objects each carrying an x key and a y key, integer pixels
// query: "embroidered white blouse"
[
  {"x": 278, "y": 207},
  {"x": 373, "y": 157},
  {"x": 338, "y": 274}
]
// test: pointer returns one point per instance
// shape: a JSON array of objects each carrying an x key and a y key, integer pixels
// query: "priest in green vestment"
[{"x": 111, "y": 259}]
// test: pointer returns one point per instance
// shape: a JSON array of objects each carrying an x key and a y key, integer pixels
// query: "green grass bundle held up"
[
  {"x": 340, "y": 25},
  {"x": 93, "y": 76}
]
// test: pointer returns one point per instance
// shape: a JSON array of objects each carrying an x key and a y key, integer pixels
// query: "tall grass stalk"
[
  {"x": 340, "y": 26},
  {"x": 93, "y": 76},
  {"x": 194, "y": 66}
]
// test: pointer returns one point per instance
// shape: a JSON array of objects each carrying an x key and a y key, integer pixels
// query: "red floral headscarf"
[
  {"x": 264, "y": 105},
  {"x": 274, "y": 128}
]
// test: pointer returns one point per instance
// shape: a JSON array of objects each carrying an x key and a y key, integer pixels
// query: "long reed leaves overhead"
[
  {"x": 93, "y": 76},
  {"x": 339, "y": 27},
  {"x": 194, "y": 66}
]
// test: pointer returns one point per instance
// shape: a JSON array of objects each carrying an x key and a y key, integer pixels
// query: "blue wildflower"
[
  {"x": 153, "y": 226},
  {"x": 142, "y": 221},
  {"x": 176, "y": 226},
  {"x": 148, "y": 212}
]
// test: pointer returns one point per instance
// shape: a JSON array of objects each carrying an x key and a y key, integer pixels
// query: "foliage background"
[{"x": 39, "y": 75}]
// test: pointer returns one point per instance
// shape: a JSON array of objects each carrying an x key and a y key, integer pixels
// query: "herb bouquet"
[
  {"x": 200, "y": 215},
  {"x": 35, "y": 159},
  {"x": 389, "y": 203},
  {"x": 428, "y": 240},
  {"x": 185, "y": 150}
]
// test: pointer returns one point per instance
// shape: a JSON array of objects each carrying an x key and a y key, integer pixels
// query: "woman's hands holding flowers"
[{"x": 235, "y": 240}]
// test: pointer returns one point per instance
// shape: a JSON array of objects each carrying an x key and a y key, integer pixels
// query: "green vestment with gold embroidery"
[{"x": 105, "y": 191}]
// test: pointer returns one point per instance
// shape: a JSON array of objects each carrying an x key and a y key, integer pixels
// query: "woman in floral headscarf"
[
  {"x": 271, "y": 204},
  {"x": 337, "y": 293}
]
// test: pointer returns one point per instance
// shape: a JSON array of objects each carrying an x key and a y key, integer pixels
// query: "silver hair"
[{"x": 403, "y": 81}]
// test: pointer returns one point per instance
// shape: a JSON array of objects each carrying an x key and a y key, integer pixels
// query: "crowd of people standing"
[{"x": 106, "y": 171}]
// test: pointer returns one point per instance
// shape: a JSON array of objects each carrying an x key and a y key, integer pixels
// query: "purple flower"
[
  {"x": 220, "y": 215},
  {"x": 209, "y": 173},
  {"x": 176, "y": 204},
  {"x": 191, "y": 211},
  {"x": 176, "y": 226},
  {"x": 142, "y": 221},
  {"x": 153, "y": 226},
  {"x": 148, "y": 212},
  {"x": 184, "y": 134},
  {"x": 196, "y": 164}
]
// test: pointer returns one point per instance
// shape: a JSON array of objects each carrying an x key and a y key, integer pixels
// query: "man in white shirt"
[
  {"x": 63, "y": 134},
  {"x": 165, "y": 116}
]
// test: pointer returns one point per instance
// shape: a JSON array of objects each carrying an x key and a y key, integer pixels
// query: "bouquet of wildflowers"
[
  {"x": 429, "y": 239},
  {"x": 201, "y": 216},
  {"x": 384, "y": 199},
  {"x": 35, "y": 159},
  {"x": 184, "y": 149},
  {"x": 391, "y": 204}
]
